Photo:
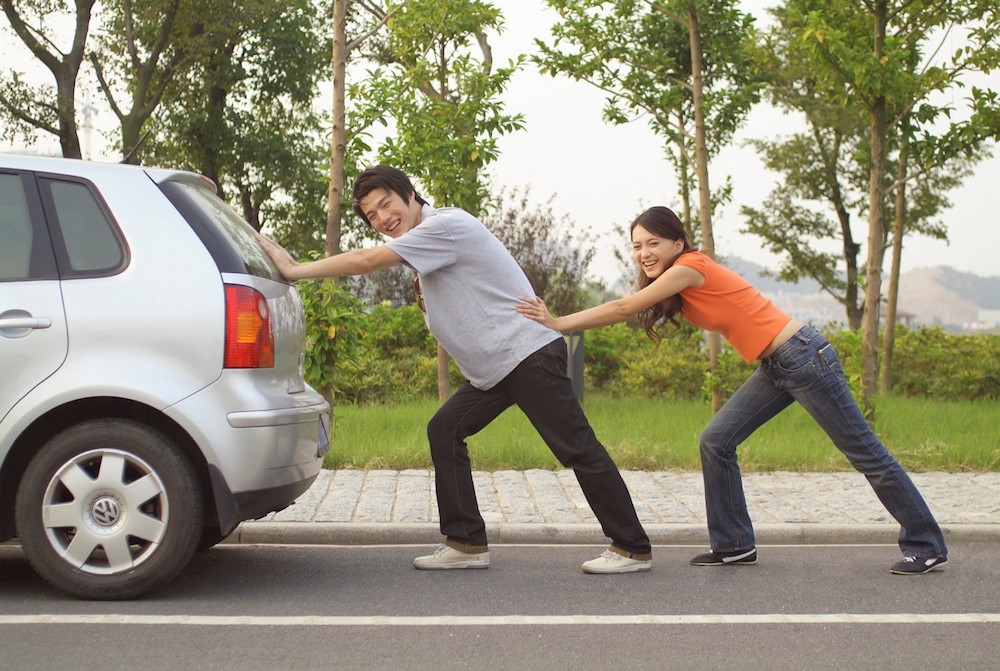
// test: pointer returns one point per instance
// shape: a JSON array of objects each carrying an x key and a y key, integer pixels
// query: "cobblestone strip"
[
  {"x": 554, "y": 497},
  {"x": 550, "y": 498},
  {"x": 574, "y": 495},
  {"x": 304, "y": 508},
  {"x": 647, "y": 496},
  {"x": 515, "y": 498},
  {"x": 772, "y": 497},
  {"x": 961, "y": 498},
  {"x": 341, "y": 498},
  {"x": 487, "y": 496},
  {"x": 839, "y": 497},
  {"x": 413, "y": 493},
  {"x": 377, "y": 497},
  {"x": 686, "y": 502}
]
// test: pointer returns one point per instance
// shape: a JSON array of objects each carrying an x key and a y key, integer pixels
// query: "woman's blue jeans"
[{"x": 805, "y": 369}]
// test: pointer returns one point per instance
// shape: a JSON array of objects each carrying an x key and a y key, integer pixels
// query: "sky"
[{"x": 600, "y": 176}]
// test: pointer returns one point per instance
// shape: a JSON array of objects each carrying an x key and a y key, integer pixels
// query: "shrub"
[
  {"x": 936, "y": 364},
  {"x": 387, "y": 354}
]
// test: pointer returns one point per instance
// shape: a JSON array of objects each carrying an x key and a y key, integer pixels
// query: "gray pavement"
[{"x": 538, "y": 506}]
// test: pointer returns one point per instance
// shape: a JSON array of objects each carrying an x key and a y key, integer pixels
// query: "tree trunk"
[
  {"x": 889, "y": 336},
  {"x": 338, "y": 143},
  {"x": 69, "y": 137},
  {"x": 443, "y": 376},
  {"x": 876, "y": 234},
  {"x": 704, "y": 193}
]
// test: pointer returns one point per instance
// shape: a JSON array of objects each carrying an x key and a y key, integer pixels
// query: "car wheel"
[{"x": 109, "y": 509}]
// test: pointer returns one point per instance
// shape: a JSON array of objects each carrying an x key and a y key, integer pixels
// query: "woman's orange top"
[{"x": 731, "y": 306}]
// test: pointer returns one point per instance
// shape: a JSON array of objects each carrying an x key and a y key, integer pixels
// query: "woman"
[{"x": 796, "y": 364}]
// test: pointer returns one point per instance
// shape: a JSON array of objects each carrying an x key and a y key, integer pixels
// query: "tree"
[
  {"x": 820, "y": 170},
  {"x": 31, "y": 109},
  {"x": 865, "y": 54},
  {"x": 685, "y": 65},
  {"x": 436, "y": 84},
  {"x": 339, "y": 139},
  {"x": 553, "y": 256},
  {"x": 159, "y": 42},
  {"x": 242, "y": 115}
]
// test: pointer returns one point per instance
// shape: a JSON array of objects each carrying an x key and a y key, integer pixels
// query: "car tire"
[{"x": 109, "y": 509}]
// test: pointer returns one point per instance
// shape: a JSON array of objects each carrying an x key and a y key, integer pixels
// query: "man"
[{"x": 470, "y": 285}]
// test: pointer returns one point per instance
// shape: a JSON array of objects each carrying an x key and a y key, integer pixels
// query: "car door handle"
[{"x": 25, "y": 323}]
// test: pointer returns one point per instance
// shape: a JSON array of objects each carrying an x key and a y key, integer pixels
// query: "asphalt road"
[{"x": 336, "y": 607}]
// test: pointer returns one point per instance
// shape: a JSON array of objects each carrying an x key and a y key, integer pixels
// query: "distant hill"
[
  {"x": 939, "y": 295},
  {"x": 755, "y": 275},
  {"x": 983, "y": 291}
]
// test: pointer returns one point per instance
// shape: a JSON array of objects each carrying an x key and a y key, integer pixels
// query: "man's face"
[{"x": 388, "y": 213}]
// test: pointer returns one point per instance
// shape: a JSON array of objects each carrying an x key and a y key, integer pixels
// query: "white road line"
[{"x": 499, "y": 620}]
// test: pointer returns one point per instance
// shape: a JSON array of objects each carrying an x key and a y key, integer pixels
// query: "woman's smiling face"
[{"x": 652, "y": 253}]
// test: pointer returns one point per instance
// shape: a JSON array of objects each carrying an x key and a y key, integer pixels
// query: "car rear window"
[
  {"x": 229, "y": 239},
  {"x": 92, "y": 246}
]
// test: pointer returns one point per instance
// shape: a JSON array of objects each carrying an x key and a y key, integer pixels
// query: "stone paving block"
[
  {"x": 515, "y": 498},
  {"x": 570, "y": 486},
  {"x": 687, "y": 490},
  {"x": 377, "y": 496},
  {"x": 304, "y": 508},
  {"x": 550, "y": 499},
  {"x": 487, "y": 497},
  {"x": 341, "y": 498},
  {"x": 412, "y": 496}
]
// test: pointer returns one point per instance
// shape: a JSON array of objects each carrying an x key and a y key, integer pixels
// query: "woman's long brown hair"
[{"x": 663, "y": 223}]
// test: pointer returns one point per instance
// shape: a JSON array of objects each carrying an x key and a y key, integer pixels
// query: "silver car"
[{"x": 151, "y": 359}]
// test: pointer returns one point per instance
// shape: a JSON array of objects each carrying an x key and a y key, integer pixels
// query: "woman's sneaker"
[
  {"x": 614, "y": 560},
  {"x": 918, "y": 565},
  {"x": 447, "y": 557},
  {"x": 735, "y": 558}
]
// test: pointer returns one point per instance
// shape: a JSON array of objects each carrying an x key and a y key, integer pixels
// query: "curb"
[{"x": 390, "y": 533}]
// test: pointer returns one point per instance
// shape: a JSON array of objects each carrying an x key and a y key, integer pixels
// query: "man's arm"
[{"x": 354, "y": 262}]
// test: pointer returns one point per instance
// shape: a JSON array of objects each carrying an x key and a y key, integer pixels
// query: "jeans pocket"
[
  {"x": 552, "y": 359},
  {"x": 829, "y": 357},
  {"x": 793, "y": 362}
]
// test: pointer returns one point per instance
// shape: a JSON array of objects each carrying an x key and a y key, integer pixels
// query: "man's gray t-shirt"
[{"x": 471, "y": 284}]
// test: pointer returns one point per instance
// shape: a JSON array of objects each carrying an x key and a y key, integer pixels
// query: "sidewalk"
[{"x": 537, "y": 506}]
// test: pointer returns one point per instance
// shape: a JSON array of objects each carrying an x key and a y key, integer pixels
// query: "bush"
[
  {"x": 936, "y": 364},
  {"x": 387, "y": 354}
]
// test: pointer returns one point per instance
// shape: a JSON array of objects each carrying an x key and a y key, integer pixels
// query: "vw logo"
[{"x": 106, "y": 511}]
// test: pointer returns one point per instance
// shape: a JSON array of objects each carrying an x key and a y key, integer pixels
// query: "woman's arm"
[
  {"x": 355, "y": 262},
  {"x": 674, "y": 280}
]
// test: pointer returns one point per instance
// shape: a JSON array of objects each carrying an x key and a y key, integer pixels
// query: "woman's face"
[{"x": 654, "y": 254}]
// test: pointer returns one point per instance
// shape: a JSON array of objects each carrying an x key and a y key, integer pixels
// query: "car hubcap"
[{"x": 105, "y": 511}]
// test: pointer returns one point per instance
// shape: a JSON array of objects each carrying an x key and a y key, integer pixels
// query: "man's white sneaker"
[
  {"x": 447, "y": 557},
  {"x": 612, "y": 561}
]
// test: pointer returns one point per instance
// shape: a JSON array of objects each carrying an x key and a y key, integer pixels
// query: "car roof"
[{"x": 85, "y": 168}]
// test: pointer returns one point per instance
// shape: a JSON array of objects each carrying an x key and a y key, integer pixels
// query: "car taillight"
[{"x": 249, "y": 340}]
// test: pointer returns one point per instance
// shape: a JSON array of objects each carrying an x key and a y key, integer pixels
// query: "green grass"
[{"x": 659, "y": 434}]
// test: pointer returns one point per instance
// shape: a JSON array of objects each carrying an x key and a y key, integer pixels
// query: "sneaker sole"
[
  {"x": 742, "y": 562},
  {"x": 924, "y": 572},
  {"x": 454, "y": 565},
  {"x": 635, "y": 568}
]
